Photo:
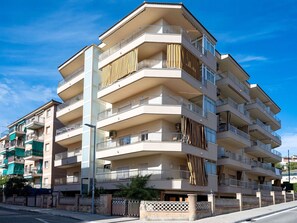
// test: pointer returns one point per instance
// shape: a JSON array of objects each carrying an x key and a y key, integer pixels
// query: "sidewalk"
[{"x": 226, "y": 218}]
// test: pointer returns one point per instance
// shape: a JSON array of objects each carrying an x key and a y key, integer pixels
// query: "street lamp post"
[{"x": 94, "y": 158}]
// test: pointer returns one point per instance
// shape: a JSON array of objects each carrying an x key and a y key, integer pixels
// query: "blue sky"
[{"x": 37, "y": 36}]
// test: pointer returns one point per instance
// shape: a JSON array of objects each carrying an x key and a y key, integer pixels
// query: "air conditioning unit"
[{"x": 112, "y": 134}]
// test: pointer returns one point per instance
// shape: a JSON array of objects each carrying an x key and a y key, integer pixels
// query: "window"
[
  {"x": 210, "y": 135},
  {"x": 48, "y": 113},
  {"x": 208, "y": 74},
  {"x": 144, "y": 136},
  {"x": 125, "y": 140},
  {"x": 47, "y": 147},
  {"x": 208, "y": 45},
  {"x": 46, "y": 164},
  {"x": 209, "y": 105},
  {"x": 210, "y": 168},
  {"x": 45, "y": 181},
  {"x": 47, "y": 130}
]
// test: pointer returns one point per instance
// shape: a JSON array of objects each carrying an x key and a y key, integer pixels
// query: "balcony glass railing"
[
  {"x": 234, "y": 79},
  {"x": 141, "y": 137},
  {"x": 153, "y": 29},
  {"x": 158, "y": 100},
  {"x": 236, "y": 131},
  {"x": 70, "y": 102},
  {"x": 266, "y": 166},
  {"x": 33, "y": 153},
  {"x": 35, "y": 119},
  {"x": 33, "y": 136},
  {"x": 266, "y": 109},
  {"x": 71, "y": 76},
  {"x": 239, "y": 183},
  {"x": 67, "y": 180},
  {"x": 68, "y": 128},
  {"x": 155, "y": 174},
  {"x": 267, "y": 128},
  {"x": 266, "y": 147},
  {"x": 15, "y": 159},
  {"x": 223, "y": 154},
  {"x": 239, "y": 107},
  {"x": 64, "y": 155}
]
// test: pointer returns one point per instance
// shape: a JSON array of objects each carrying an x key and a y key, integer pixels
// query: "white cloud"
[
  {"x": 289, "y": 142},
  {"x": 243, "y": 59}
]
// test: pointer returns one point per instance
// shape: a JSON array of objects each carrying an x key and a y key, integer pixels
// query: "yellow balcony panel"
[
  {"x": 259, "y": 110},
  {"x": 232, "y": 137},
  {"x": 69, "y": 135},
  {"x": 265, "y": 151},
  {"x": 70, "y": 110},
  {"x": 174, "y": 79}
]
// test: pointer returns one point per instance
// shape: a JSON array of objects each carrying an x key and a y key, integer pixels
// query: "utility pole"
[{"x": 289, "y": 166}]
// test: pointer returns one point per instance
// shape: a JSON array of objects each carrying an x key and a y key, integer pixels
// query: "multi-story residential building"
[
  {"x": 28, "y": 148},
  {"x": 165, "y": 103}
]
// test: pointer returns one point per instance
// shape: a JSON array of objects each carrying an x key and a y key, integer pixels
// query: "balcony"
[
  {"x": 15, "y": 159},
  {"x": 233, "y": 160},
  {"x": 144, "y": 144},
  {"x": 233, "y": 87},
  {"x": 160, "y": 179},
  {"x": 264, "y": 133},
  {"x": 265, "y": 169},
  {"x": 69, "y": 183},
  {"x": 33, "y": 137},
  {"x": 258, "y": 109},
  {"x": 70, "y": 109},
  {"x": 229, "y": 135},
  {"x": 34, "y": 172},
  {"x": 13, "y": 145},
  {"x": 33, "y": 155},
  {"x": 16, "y": 131},
  {"x": 35, "y": 122},
  {"x": 148, "y": 109},
  {"x": 71, "y": 85},
  {"x": 157, "y": 34},
  {"x": 233, "y": 186},
  {"x": 3, "y": 148},
  {"x": 151, "y": 73},
  {"x": 3, "y": 163},
  {"x": 265, "y": 151},
  {"x": 68, "y": 159},
  {"x": 69, "y": 134},
  {"x": 241, "y": 115}
]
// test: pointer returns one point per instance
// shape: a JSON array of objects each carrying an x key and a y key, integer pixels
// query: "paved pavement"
[{"x": 227, "y": 218}]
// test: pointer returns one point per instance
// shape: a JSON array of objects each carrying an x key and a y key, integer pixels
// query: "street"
[
  {"x": 13, "y": 216},
  {"x": 287, "y": 216}
]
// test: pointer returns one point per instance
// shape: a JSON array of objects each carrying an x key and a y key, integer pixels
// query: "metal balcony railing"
[
  {"x": 239, "y": 107},
  {"x": 233, "y": 129},
  {"x": 15, "y": 159},
  {"x": 152, "y": 29},
  {"x": 266, "y": 109},
  {"x": 155, "y": 174},
  {"x": 67, "y": 180},
  {"x": 223, "y": 153},
  {"x": 64, "y": 155},
  {"x": 33, "y": 136},
  {"x": 266, "y": 147},
  {"x": 152, "y": 100},
  {"x": 68, "y": 128},
  {"x": 267, "y": 128},
  {"x": 70, "y": 102},
  {"x": 71, "y": 76}
]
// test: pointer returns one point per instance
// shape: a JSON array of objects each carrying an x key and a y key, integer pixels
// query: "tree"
[
  {"x": 137, "y": 189},
  {"x": 293, "y": 166},
  {"x": 279, "y": 166},
  {"x": 18, "y": 186}
]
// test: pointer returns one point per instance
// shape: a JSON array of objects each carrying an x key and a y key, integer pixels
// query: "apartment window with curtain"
[
  {"x": 209, "y": 105},
  {"x": 211, "y": 135}
]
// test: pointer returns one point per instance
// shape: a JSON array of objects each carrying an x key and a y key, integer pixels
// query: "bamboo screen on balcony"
[
  {"x": 197, "y": 170},
  {"x": 193, "y": 133},
  {"x": 179, "y": 57},
  {"x": 120, "y": 68}
]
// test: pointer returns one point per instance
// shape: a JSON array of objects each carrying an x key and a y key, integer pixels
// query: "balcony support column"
[
  {"x": 272, "y": 193},
  {"x": 284, "y": 193},
  {"x": 192, "y": 199},
  {"x": 239, "y": 198},
  {"x": 259, "y": 196}
]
